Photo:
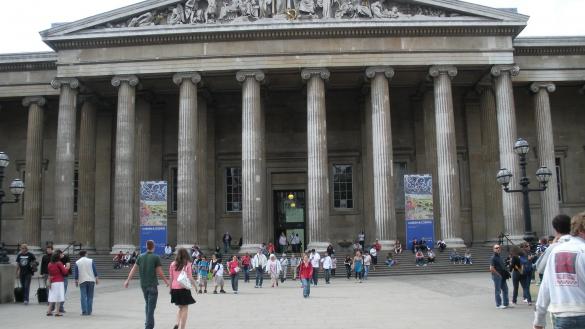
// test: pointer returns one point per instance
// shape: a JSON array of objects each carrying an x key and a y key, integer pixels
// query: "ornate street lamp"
[
  {"x": 543, "y": 175},
  {"x": 16, "y": 186}
]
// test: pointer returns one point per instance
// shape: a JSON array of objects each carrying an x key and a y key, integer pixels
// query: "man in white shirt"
[
  {"x": 561, "y": 291},
  {"x": 315, "y": 259},
  {"x": 283, "y": 265},
  {"x": 327, "y": 265},
  {"x": 562, "y": 226},
  {"x": 217, "y": 275},
  {"x": 259, "y": 262},
  {"x": 86, "y": 278}
]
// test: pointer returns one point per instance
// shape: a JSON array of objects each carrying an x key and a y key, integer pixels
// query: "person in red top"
[
  {"x": 271, "y": 248},
  {"x": 57, "y": 272},
  {"x": 246, "y": 261},
  {"x": 306, "y": 275},
  {"x": 234, "y": 270}
]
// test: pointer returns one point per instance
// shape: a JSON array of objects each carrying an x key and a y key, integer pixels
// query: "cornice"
[
  {"x": 549, "y": 46},
  {"x": 38, "y": 61}
]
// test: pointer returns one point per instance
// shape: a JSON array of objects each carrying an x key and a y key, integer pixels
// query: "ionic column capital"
[
  {"x": 193, "y": 76},
  {"x": 548, "y": 86},
  {"x": 322, "y": 72},
  {"x": 130, "y": 78},
  {"x": 39, "y": 100},
  {"x": 497, "y": 70},
  {"x": 242, "y": 75},
  {"x": 71, "y": 82},
  {"x": 373, "y": 70},
  {"x": 436, "y": 70}
]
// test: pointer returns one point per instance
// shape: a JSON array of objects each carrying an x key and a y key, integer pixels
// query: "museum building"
[{"x": 296, "y": 116}]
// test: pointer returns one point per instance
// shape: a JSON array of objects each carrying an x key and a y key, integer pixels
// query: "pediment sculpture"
[{"x": 227, "y": 11}]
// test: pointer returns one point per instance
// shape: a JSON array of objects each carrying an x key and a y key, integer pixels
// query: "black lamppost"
[
  {"x": 16, "y": 186},
  {"x": 543, "y": 174}
]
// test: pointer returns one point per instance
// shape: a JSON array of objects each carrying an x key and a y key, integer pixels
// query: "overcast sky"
[{"x": 20, "y": 24}]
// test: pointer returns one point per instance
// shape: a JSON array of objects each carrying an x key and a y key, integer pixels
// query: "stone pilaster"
[
  {"x": 384, "y": 212},
  {"x": 202, "y": 174},
  {"x": 449, "y": 192},
  {"x": 187, "y": 166},
  {"x": 124, "y": 164},
  {"x": 253, "y": 175},
  {"x": 511, "y": 202},
  {"x": 65, "y": 160},
  {"x": 490, "y": 158},
  {"x": 430, "y": 133},
  {"x": 141, "y": 158},
  {"x": 85, "y": 226},
  {"x": 318, "y": 176},
  {"x": 33, "y": 205},
  {"x": 546, "y": 151}
]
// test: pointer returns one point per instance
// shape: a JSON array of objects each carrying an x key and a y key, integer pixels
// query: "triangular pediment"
[{"x": 164, "y": 17}]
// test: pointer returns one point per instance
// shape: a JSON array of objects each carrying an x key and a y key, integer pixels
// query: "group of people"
[
  {"x": 125, "y": 259},
  {"x": 456, "y": 258},
  {"x": 562, "y": 265}
]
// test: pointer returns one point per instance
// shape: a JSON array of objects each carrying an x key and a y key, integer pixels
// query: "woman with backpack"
[
  {"x": 517, "y": 268},
  {"x": 181, "y": 287}
]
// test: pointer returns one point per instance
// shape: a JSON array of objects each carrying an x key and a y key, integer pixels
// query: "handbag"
[
  {"x": 237, "y": 269},
  {"x": 183, "y": 280}
]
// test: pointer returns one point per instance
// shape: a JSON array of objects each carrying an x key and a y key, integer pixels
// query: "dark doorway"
[{"x": 289, "y": 216}]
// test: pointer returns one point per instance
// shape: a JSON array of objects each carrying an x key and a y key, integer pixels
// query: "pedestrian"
[
  {"x": 45, "y": 263},
  {"x": 181, "y": 283},
  {"x": 149, "y": 266},
  {"x": 273, "y": 268},
  {"x": 367, "y": 264},
  {"x": 86, "y": 277},
  {"x": 246, "y": 264},
  {"x": 562, "y": 226},
  {"x": 315, "y": 262},
  {"x": 67, "y": 262},
  {"x": 234, "y": 271},
  {"x": 217, "y": 270},
  {"x": 347, "y": 263},
  {"x": 361, "y": 238},
  {"x": 270, "y": 249},
  {"x": 358, "y": 266},
  {"x": 327, "y": 264},
  {"x": 202, "y": 274},
  {"x": 294, "y": 265},
  {"x": 168, "y": 251},
  {"x": 56, "y": 271},
  {"x": 283, "y": 265},
  {"x": 26, "y": 266},
  {"x": 282, "y": 243},
  {"x": 227, "y": 241},
  {"x": 259, "y": 262},
  {"x": 333, "y": 265},
  {"x": 561, "y": 291},
  {"x": 499, "y": 277},
  {"x": 330, "y": 251},
  {"x": 374, "y": 256},
  {"x": 306, "y": 274}
]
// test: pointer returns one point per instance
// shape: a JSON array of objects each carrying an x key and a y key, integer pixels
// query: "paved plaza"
[{"x": 440, "y": 301}]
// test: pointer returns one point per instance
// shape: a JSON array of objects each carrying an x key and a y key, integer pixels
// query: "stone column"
[
  {"x": 65, "y": 160},
  {"x": 124, "y": 163},
  {"x": 318, "y": 175},
  {"x": 490, "y": 158},
  {"x": 449, "y": 192},
  {"x": 546, "y": 151},
  {"x": 202, "y": 174},
  {"x": 253, "y": 177},
  {"x": 141, "y": 159},
  {"x": 384, "y": 212},
  {"x": 187, "y": 164},
  {"x": 511, "y": 202},
  {"x": 33, "y": 205},
  {"x": 430, "y": 133},
  {"x": 85, "y": 225}
]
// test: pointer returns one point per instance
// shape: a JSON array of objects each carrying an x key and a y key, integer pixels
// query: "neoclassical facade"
[{"x": 291, "y": 116}]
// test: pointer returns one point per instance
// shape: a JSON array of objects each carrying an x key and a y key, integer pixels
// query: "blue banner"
[
  {"x": 153, "y": 215},
  {"x": 418, "y": 209}
]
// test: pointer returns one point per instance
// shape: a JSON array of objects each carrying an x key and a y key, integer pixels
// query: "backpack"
[{"x": 526, "y": 265}]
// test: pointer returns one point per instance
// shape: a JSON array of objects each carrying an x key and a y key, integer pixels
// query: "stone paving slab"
[{"x": 440, "y": 301}]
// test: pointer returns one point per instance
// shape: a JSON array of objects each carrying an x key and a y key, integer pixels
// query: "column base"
[
  {"x": 455, "y": 243},
  {"x": 7, "y": 283},
  {"x": 491, "y": 242},
  {"x": 124, "y": 248},
  {"x": 387, "y": 246},
  {"x": 318, "y": 246},
  {"x": 251, "y": 248}
]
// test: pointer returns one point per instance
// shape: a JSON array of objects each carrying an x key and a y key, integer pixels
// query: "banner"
[
  {"x": 418, "y": 209},
  {"x": 153, "y": 215}
]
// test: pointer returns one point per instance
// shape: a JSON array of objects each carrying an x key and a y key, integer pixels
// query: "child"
[{"x": 202, "y": 274}]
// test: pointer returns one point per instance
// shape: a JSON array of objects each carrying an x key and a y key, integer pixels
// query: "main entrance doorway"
[{"x": 289, "y": 216}]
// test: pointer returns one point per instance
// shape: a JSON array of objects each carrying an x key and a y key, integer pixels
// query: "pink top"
[
  {"x": 57, "y": 271},
  {"x": 174, "y": 274}
]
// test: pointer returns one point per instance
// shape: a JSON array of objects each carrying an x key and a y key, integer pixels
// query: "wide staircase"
[{"x": 405, "y": 264}]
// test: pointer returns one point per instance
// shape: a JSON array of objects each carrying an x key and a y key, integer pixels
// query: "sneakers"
[
  {"x": 501, "y": 307},
  {"x": 200, "y": 291},
  {"x": 215, "y": 292},
  {"x": 205, "y": 291},
  {"x": 222, "y": 291}
]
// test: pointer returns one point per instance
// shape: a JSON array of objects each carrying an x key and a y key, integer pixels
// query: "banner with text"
[
  {"x": 153, "y": 214},
  {"x": 418, "y": 209}
]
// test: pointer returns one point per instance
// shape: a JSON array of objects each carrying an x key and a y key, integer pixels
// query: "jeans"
[
  {"x": 234, "y": 279},
  {"x": 525, "y": 282},
  {"x": 327, "y": 275},
  {"x": 315, "y": 275},
  {"x": 569, "y": 322},
  {"x": 306, "y": 287},
  {"x": 366, "y": 271},
  {"x": 25, "y": 283},
  {"x": 62, "y": 307},
  {"x": 226, "y": 246},
  {"x": 150, "y": 298},
  {"x": 246, "y": 273},
  {"x": 500, "y": 286},
  {"x": 86, "y": 291},
  {"x": 348, "y": 270},
  {"x": 259, "y": 276}
]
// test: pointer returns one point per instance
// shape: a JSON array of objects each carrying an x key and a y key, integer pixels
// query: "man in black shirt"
[
  {"x": 499, "y": 276},
  {"x": 24, "y": 270},
  {"x": 45, "y": 263}
]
